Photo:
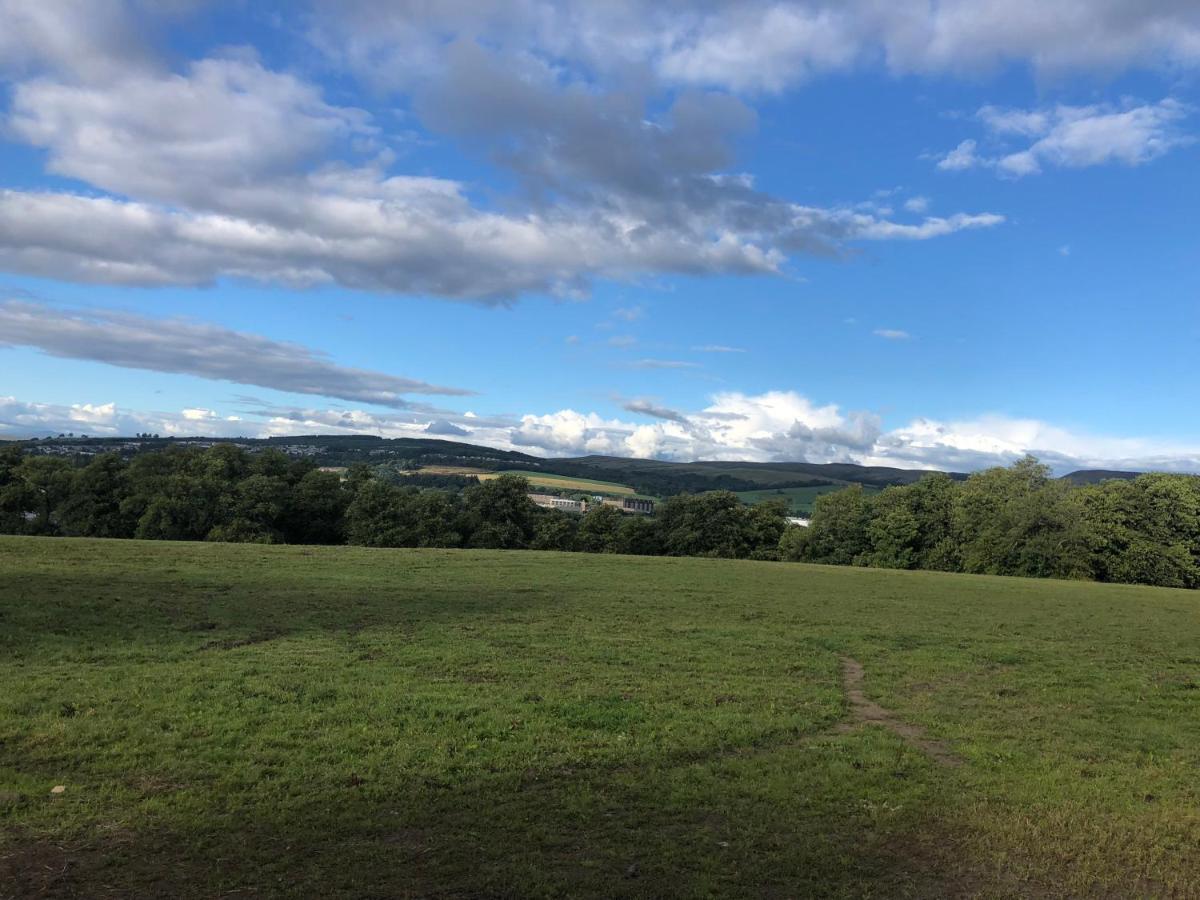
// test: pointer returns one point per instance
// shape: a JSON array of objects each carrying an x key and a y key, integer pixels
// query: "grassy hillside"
[
  {"x": 339, "y": 722},
  {"x": 566, "y": 483}
]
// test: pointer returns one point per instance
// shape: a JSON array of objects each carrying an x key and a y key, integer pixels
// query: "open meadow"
[{"x": 344, "y": 722}]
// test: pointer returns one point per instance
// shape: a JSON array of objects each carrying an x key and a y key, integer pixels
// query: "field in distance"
[
  {"x": 539, "y": 479},
  {"x": 342, "y": 722}
]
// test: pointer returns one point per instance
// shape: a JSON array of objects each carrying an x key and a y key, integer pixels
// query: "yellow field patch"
[
  {"x": 451, "y": 470},
  {"x": 566, "y": 484}
]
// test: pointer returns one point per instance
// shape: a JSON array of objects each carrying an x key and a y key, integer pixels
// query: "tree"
[
  {"x": 639, "y": 535},
  {"x": 710, "y": 524},
  {"x": 598, "y": 529},
  {"x": 555, "y": 530},
  {"x": 93, "y": 508},
  {"x": 39, "y": 485},
  {"x": 837, "y": 531},
  {"x": 316, "y": 509},
  {"x": 499, "y": 513},
  {"x": 377, "y": 516}
]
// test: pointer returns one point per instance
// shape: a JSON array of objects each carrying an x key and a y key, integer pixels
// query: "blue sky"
[{"x": 917, "y": 234}]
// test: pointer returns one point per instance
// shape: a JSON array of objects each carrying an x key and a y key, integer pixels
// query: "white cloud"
[
  {"x": 773, "y": 426},
  {"x": 718, "y": 348},
  {"x": 917, "y": 204},
  {"x": 765, "y": 45},
  {"x": 892, "y": 334},
  {"x": 1075, "y": 137},
  {"x": 227, "y": 168},
  {"x": 963, "y": 156}
]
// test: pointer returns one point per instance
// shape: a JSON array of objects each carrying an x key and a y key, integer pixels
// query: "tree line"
[
  {"x": 1015, "y": 521},
  {"x": 224, "y": 493},
  {"x": 1003, "y": 521}
]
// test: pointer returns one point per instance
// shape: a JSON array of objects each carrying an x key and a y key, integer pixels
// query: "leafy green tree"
[
  {"x": 710, "y": 524},
  {"x": 378, "y": 516},
  {"x": 555, "y": 530},
  {"x": 317, "y": 509},
  {"x": 499, "y": 513},
  {"x": 764, "y": 525},
  {"x": 639, "y": 536},
  {"x": 39, "y": 486},
  {"x": 435, "y": 520},
  {"x": 599, "y": 529},
  {"x": 93, "y": 508},
  {"x": 257, "y": 507},
  {"x": 837, "y": 532},
  {"x": 791, "y": 543},
  {"x": 186, "y": 509}
]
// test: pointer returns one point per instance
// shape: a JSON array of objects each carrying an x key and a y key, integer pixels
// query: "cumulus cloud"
[
  {"x": 1074, "y": 137},
  {"x": 227, "y": 168},
  {"x": 203, "y": 350},
  {"x": 773, "y": 426},
  {"x": 765, "y": 45}
]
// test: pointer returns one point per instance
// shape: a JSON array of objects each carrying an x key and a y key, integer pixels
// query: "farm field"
[
  {"x": 800, "y": 500},
  {"x": 452, "y": 470},
  {"x": 566, "y": 483},
  {"x": 538, "y": 479},
  {"x": 340, "y": 722}
]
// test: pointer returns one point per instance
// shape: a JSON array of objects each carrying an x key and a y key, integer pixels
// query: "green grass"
[
  {"x": 799, "y": 499},
  {"x": 567, "y": 483},
  {"x": 340, "y": 722}
]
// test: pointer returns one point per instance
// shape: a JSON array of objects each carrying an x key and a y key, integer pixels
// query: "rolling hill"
[{"x": 651, "y": 477}]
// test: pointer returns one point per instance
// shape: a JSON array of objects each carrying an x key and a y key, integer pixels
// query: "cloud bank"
[
  {"x": 773, "y": 426},
  {"x": 226, "y": 168}
]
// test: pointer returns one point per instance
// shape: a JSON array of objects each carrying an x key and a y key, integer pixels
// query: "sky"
[{"x": 921, "y": 234}]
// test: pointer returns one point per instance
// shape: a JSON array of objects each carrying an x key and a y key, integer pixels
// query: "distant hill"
[
  {"x": 1094, "y": 476},
  {"x": 646, "y": 476}
]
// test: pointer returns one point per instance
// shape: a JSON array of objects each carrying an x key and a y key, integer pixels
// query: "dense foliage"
[
  {"x": 1004, "y": 521},
  {"x": 225, "y": 493},
  {"x": 1015, "y": 521}
]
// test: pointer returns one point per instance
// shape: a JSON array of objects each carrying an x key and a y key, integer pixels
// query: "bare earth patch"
[{"x": 868, "y": 712}]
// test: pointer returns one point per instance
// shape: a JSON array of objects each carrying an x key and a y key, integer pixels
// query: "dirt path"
[{"x": 868, "y": 712}]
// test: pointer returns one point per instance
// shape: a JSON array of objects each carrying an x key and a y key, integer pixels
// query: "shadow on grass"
[
  {"x": 44, "y": 611},
  {"x": 821, "y": 817}
]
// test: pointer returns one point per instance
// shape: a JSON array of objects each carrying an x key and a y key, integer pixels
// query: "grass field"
[
  {"x": 339, "y": 722},
  {"x": 566, "y": 483},
  {"x": 799, "y": 499},
  {"x": 450, "y": 470},
  {"x": 539, "y": 480}
]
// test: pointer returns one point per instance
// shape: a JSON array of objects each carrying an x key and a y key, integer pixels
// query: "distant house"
[
  {"x": 632, "y": 505},
  {"x": 566, "y": 504},
  {"x": 798, "y": 520}
]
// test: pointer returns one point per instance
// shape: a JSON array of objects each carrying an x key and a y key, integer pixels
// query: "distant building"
[
  {"x": 624, "y": 504},
  {"x": 798, "y": 520},
  {"x": 632, "y": 505},
  {"x": 566, "y": 504}
]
